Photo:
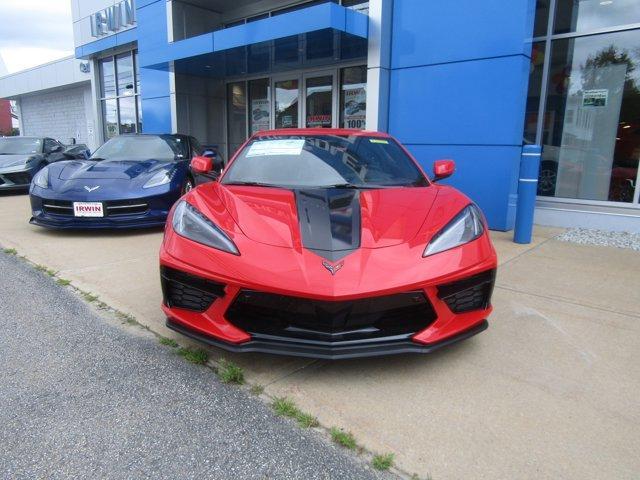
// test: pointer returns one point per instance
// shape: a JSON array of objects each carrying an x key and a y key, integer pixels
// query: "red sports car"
[{"x": 329, "y": 244}]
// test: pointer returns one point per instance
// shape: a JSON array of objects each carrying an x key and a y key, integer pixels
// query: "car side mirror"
[
  {"x": 201, "y": 165},
  {"x": 443, "y": 169}
]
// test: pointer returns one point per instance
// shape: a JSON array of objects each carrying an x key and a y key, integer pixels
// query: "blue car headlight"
[
  {"x": 42, "y": 178},
  {"x": 463, "y": 228},
  {"x": 160, "y": 178},
  {"x": 190, "y": 223}
]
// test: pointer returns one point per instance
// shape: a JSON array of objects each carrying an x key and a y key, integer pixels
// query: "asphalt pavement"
[{"x": 84, "y": 397}]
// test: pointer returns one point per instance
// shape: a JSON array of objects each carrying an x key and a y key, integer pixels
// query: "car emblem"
[
  {"x": 91, "y": 189},
  {"x": 333, "y": 269}
]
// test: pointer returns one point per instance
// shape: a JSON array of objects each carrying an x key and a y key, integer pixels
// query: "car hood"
[
  {"x": 331, "y": 222},
  {"x": 109, "y": 169},
  {"x": 13, "y": 160}
]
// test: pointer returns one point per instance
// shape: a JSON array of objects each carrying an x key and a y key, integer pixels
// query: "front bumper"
[
  {"x": 58, "y": 217},
  {"x": 281, "y": 346},
  {"x": 15, "y": 180}
]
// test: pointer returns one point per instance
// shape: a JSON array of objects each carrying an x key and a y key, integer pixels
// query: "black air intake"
[
  {"x": 472, "y": 293},
  {"x": 183, "y": 290}
]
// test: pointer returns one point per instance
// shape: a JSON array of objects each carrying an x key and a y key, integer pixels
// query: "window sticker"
[
  {"x": 276, "y": 147},
  {"x": 379, "y": 140}
]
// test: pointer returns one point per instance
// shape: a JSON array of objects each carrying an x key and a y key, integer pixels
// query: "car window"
[
  {"x": 50, "y": 144},
  {"x": 143, "y": 147},
  {"x": 20, "y": 146},
  {"x": 196, "y": 148},
  {"x": 324, "y": 160}
]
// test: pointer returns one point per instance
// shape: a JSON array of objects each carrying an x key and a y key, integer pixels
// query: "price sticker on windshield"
[{"x": 263, "y": 148}]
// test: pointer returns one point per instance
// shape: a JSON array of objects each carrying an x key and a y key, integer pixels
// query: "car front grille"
[
  {"x": 16, "y": 178},
  {"x": 473, "y": 293},
  {"x": 371, "y": 318},
  {"x": 112, "y": 208},
  {"x": 183, "y": 290}
]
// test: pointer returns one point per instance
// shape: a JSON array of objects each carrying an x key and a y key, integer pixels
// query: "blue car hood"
[{"x": 109, "y": 169}]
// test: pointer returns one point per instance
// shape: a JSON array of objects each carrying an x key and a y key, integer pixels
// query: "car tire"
[{"x": 547, "y": 179}]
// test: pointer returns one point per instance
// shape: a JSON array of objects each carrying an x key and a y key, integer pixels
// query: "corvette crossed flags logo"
[
  {"x": 333, "y": 269},
  {"x": 91, "y": 189}
]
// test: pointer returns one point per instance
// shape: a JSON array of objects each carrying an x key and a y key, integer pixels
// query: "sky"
[{"x": 33, "y": 32}]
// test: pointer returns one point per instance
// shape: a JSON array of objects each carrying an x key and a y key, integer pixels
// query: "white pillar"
[{"x": 379, "y": 64}]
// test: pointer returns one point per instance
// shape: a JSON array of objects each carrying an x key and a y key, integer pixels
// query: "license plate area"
[{"x": 88, "y": 209}]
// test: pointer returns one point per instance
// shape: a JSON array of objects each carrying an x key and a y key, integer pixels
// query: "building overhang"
[{"x": 208, "y": 49}]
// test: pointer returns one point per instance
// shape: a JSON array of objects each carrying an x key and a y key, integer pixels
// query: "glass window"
[
  {"x": 237, "y": 115},
  {"x": 259, "y": 106},
  {"x": 137, "y": 70},
  {"x": 139, "y": 101},
  {"x": 127, "y": 114},
  {"x": 326, "y": 160},
  {"x": 286, "y": 50},
  {"x": 586, "y": 15},
  {"x": 143, "y": 147},
  {"x": 319, "y": 98},
  {"x": 535, "y": 89},
  {"x": 592, "y": 145},
  {"x": 353, "y": 97},
  {"x": 20, "y": 145},
  {"x": 108, "y": 81},
  {"x": 110, "y": 116},
  {"x": 124, "y": 67},
  {"x": 286, "y": 104},
  {"x": 542, "y": 18}
]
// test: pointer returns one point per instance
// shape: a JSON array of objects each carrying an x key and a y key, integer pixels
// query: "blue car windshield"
[
  {"x": 142, "y": 148},
  {"x": 20, "y": 146},
  {"x": 324, "y": 161}
]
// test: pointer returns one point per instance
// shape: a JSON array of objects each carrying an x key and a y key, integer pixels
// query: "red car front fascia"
[{"x": 268, "y": 269}]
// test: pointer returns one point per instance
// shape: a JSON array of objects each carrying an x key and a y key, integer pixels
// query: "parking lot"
[{"x": 549, "y": 391}]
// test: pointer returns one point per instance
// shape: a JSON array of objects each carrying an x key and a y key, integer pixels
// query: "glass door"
[
  {"x": 286, "y": 95},
  {"x": 319, "y": 100}
]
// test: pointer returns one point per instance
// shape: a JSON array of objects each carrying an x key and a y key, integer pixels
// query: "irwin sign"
[{"x": 113, "y": 18}]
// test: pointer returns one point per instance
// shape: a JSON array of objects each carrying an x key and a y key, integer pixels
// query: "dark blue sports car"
[{"x": 129, "y": 182}]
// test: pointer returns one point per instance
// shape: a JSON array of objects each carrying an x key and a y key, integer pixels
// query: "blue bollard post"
[{"x": 527, "y": 191}]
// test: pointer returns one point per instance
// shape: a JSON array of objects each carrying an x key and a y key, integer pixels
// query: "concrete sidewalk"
[{"x": 549, "y": 391}]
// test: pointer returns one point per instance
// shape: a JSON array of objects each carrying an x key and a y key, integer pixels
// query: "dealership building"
[{"x": 462, "y": 79}]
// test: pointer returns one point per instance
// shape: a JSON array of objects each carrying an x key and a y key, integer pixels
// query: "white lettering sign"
[{"x": 112, "y": 19}]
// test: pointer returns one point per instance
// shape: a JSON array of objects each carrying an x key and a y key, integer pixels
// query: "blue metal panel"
[
  {"x": 311, "y": 19},
  {"x": 156, "y": 115},
  {"x": 428, "y": 32},
  {"x": 112, "y": 41},
  {"x": 487, "y": 174},
  {"x": 478, "y": 102}
]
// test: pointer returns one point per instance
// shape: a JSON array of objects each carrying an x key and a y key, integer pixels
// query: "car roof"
[{"x": 344, "y": 132}]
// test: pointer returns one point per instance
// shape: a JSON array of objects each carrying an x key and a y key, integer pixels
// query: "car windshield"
[
  {"x": 20, "y": 146},
  {"x": 141, "y": 148},
  {"x": 324, "y": 161}
]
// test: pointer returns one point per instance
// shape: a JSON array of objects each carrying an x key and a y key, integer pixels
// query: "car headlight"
[
  {"x": 42, "y": 178},
  {"x": 465, "y": 227},
  {"x": 190, "y": 223},
  {"x": 161, "y": 178}
]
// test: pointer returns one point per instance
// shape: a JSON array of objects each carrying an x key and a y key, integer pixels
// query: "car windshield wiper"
[
  {"x": 96, "y": 159},
  {"x": 353, "y": 186},
  {"x": 251, "y": 184}
]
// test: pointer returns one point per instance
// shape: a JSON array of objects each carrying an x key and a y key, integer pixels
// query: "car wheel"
[
  {"x": 188, "y": 185},
  {"x": 547, "y": 179}
]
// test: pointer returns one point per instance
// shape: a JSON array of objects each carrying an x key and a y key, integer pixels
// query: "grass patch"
[
  {"x": 10, "y": 251},
  {"x": 89, "y": 297},
  {"x": 257, "y": 390},
  {"x": 126, "y": 318},
  {"x": 230, "y": 372},
  {"x": 168, "y": 342},
  {"x": 285, "y": 407},
  {"x": 382, "y": 461},
  {"x": 63, "y": 282},
  {"x": 343, "y": 438},
  {"x": 199, "y": 357},
  {"x": 41, "y": 268}
]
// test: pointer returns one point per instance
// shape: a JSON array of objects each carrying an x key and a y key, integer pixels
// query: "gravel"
[
  {"x": 585, "y": 236},
  {"x": 84, "y": 397}
]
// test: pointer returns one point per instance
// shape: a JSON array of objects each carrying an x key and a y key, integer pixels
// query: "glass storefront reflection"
[
  {"x": 319, "y": 102},
  {"x": 592, "y": 122},
  {"x": 286, "y": 93},
  {"x": 588, "y": 15}
]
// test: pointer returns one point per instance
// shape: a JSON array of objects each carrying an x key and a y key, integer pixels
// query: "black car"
[{"x": 22, "y": 157}]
